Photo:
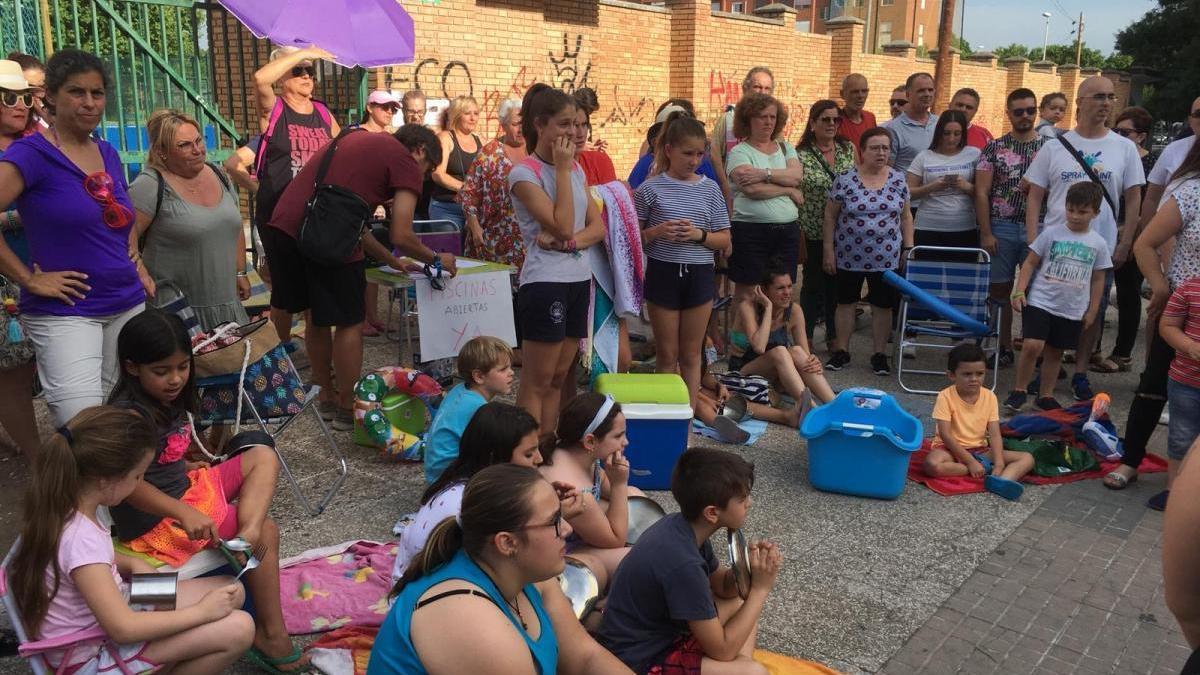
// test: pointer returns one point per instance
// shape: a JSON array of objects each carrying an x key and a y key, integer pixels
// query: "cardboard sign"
[{"x": 471, "y": 305}]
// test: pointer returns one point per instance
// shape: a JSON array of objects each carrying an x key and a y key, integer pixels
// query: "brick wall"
[{"x": 635, "y": 56}]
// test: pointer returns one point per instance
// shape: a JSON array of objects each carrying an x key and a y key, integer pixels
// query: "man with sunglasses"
[
  {"x": 898, "y": 100},
  {"x": 1114, "y": 161},
  {"x": 855, "y": 119},
  {"x": 1000, "y": 203},
  {"x": 294, "y": 127}
]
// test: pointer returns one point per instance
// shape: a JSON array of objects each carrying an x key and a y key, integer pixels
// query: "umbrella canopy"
[{"x": 368, "y": 33}]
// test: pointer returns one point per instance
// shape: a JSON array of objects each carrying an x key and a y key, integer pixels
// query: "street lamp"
[{"x": 1046, "y": 38}]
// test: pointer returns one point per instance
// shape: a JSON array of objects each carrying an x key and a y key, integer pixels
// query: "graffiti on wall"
[
  {"x": 627, "y": 110},
  {"x": 723, "y": 89},
  {"x": 569, "y": 75}
]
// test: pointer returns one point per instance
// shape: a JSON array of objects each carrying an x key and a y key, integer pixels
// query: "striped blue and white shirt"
[{"x": 662, "y": 198}]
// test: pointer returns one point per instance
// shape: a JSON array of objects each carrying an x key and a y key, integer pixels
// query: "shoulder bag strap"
[
  {"x": 158, "y": 198},
  {"x": 328, "y": 158},
  {"x": 221, "y": 176},
  {"x": 821, "y": 160},
  {"x": 1091, "y": 173},
  {"x": 260, "y": 160}
]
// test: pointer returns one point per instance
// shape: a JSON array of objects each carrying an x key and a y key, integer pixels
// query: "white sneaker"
[{"x": 1165, "y": 418}]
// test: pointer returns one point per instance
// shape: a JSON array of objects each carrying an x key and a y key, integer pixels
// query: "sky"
[{"x": 995, "y": 23}]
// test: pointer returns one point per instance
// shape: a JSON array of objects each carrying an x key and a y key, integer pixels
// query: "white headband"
[{"x": 601, "y": 414}]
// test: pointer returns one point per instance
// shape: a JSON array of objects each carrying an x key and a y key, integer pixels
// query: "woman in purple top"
[
  {"x": 868, "y": 226},
  {"x": 83, "y": 284}
]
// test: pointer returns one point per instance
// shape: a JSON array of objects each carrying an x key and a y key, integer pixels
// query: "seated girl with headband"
[{"x": 587, "y": 453}]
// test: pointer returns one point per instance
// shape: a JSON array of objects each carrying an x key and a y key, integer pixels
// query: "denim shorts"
[
  {"x": 1184, "y": 403},
  {"x": 1011, "y": 248}
]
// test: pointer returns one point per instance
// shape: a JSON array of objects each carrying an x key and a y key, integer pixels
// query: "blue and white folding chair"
[{"x": 964, "y": 285}]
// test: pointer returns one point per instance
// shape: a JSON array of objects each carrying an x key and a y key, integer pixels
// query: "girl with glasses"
[{"x": 70, "y": 187}]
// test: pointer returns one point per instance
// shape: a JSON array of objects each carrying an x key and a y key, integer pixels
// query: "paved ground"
[{"x": 1067, "y": 579}]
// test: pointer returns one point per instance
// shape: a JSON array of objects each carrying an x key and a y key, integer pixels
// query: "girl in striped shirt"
[{"x": 684, "y": 219}]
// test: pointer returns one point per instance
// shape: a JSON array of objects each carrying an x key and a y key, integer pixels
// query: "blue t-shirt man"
[{"x": 445, "y": 433}]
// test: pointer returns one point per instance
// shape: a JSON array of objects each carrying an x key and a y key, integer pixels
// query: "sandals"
[
  {"x": 268, "y": 664},
  {"x": 1115, "y": 480},
  {"x": 1100, "y": 364},
  {"x": 1124, "y": 363}
]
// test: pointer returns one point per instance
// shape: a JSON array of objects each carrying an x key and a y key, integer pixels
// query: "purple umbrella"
[{"x": 368, "y": 33}]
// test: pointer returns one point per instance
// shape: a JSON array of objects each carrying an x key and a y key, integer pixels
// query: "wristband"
[
  {"x": 703, "y": 236},
  {"x": 240, "y": 275},
  {"x": 1017, "y": 294},
  {"x": 572, "y": 246}
]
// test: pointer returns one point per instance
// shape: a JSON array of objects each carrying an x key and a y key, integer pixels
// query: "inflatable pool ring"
[
  {"x": 392, "y": 411},
  {"x": 933, "y": 304}
]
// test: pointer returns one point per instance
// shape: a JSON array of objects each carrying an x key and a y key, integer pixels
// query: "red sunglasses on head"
[{"x": 100, "y": 186}]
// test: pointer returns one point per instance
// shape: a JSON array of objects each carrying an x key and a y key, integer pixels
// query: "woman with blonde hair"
[
  {"x": 460, "y": 146},
  {"x": 189, "y": 221}
]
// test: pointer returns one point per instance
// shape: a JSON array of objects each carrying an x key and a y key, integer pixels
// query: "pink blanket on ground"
[{"x": 343, "y": 585}]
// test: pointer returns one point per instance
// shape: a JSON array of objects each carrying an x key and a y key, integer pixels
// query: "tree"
[
  {"x": 1009, "y": 51},
  {"x": 1162, "y": 40}
]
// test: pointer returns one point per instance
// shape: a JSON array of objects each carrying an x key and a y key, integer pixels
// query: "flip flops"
[
  {"x": 1009, "y": 489},
  {"x": 268, "y": 664},
  {"x": 1115, "y": 480}
]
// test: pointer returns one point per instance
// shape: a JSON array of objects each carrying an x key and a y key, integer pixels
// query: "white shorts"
[{"x": 108, "y": 659}]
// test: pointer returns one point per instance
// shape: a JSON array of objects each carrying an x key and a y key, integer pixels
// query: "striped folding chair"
[
  {"x": 964, "y": 285},
  {"x": 170, "y": 298}
]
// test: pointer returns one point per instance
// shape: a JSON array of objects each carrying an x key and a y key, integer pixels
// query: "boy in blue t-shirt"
[
  {"x": 485, "y": 365},
  {"x": 671, "y": 606}
]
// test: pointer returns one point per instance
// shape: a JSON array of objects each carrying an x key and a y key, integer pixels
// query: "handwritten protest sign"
[{"x": 471, "y": 305}]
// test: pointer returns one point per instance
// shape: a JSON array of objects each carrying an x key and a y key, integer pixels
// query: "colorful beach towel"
[
  {"x": 778, "y": 664},
  {"x": 344, "y": 651},
  {"x": 617, "y": 268},
  {"x": 343, "y": 585},
  {"x": 961, "y": 485}
]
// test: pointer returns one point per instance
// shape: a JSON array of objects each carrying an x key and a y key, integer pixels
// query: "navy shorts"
[
  {"x": 1058, "y": 332},
  {"x": 755, "y": 245},
  {"x": 848, "y": 289},
  {"x": 676, "y": 286},
  {"x": 549, "y": 311},
  {"x": 335, "y": 294}
]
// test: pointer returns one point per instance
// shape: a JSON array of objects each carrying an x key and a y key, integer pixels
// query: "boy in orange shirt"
[{"x": 968, "y": 429}]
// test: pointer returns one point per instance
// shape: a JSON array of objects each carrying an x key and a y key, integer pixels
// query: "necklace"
[
  {"x": 544, "y": 160},
  {"x": 516, "y": 606}
]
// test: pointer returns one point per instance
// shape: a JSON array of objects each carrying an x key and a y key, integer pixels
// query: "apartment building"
[{"x": 915, "y": 21}]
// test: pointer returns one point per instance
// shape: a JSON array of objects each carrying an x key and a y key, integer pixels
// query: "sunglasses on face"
[
  {"x": 391, "y": 107},
  {"x": 1024, "y": 112},
  {"x": 1125, "y": 132},
  {"x": 11, "y": 100},
  {"x": 556, "y": 523},
  {"x": 897, "y": 102},
  {"x": 298, "y": 71},
  {"x": 100, "y": 187},
  {"x": 828, "y": 120}
]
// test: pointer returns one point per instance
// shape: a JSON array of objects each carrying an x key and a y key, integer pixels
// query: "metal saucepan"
[
  {"x": 154, "y": 591},
  {"x": 643, "y": 512},
  {"x": 580, "y": 586},
  {"x": 735, "y": 407},
  {"x": 739, "y": 562}
]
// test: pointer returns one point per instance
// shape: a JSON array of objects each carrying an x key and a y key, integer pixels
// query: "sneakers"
[
  {"x": 1081, "y": 389},
  {"x": 1047, "y": 403},
  {"x": 1008, "y": 489},
  {"x": 343, "y": 420},
  {"x": 1159, "y": 501},
  {"x": 840, "y": 359},
  {"x": 1016, "y": 400},
  {"x": 1007, "y": 357},
  {"x": 879, "y": 364}
]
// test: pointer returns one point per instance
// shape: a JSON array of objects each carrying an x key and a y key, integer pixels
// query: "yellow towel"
[{"x": 778, "y": 664}]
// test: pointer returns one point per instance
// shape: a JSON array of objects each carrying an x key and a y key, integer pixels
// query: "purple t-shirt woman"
[{"x": 66, "y": 230}]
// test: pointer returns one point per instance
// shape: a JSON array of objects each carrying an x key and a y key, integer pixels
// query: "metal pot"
[
  {"x": 154, "y": 591},
  {"x": 643, "y": 512},
  {"x": 739, "y": 562},
  {"x": 580, "y": 586},
  {"x": 735, "y": 408}
]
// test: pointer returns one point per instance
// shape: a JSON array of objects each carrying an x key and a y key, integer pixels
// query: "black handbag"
[{"x": 335, "y": 218}]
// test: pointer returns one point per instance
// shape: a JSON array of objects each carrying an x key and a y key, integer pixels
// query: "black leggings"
[
  {"x": 1148, "y": 401},
  {"x": 817, "y": 292},
  {"x": 1129, "y": 308}
]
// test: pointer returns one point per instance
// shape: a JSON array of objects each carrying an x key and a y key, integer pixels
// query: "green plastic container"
[{"x": 658, "y": 419}]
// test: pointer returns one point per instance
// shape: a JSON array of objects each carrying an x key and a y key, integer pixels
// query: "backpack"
[{"x": 260, "y": 153}]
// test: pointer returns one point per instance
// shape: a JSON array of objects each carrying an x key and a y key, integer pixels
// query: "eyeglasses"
[
  {"x": 434, "y": 272},
  {"x": 1024, "y": 112},
  {"x": 1101, "y": 98},
  {"x": 100, "y": 186},
  {"x": 896, "y": 102},
  {"x": 412, "y": 111},
  {"x": 556, "y": 523},
  {"x": 297, "y": 71},
  {"x": 11, "y": 99}
]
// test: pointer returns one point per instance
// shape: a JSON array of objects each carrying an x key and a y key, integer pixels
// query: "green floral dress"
[{"x": 817, "y": 183}]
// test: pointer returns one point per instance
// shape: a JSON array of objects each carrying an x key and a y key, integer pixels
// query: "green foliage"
[
  {"x": 964, "y": 47},
  {"x": 1014, "y": 49},
  {"x": 1065, "y": 55},
  {"x": 1162, "y": 40}
]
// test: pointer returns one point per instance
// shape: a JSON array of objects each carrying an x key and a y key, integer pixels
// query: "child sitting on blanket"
[
  {"x": 671, "y": 607},
  {"x": 717, "y": 388},
  {"x": 485, "y": 365},
  {"x": 968, "y": 429}
]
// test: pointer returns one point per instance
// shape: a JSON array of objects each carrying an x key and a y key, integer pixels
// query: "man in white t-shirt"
[
  {"x": 1115, "y": 161},
  {"x": 1168, "y": 162}
]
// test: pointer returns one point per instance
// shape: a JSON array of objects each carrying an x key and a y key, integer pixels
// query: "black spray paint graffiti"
[
  {"x": 428, "y": 68},
  {"x": 566, "y": 65}
]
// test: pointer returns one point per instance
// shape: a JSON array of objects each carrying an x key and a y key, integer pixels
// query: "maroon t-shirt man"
[{"x": 373, "y": 166}]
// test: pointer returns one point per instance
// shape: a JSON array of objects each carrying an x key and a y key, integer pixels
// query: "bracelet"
[
  {"x": 240, "y": 275},
  {"x": 1017, "y": 294},
  {"x": 703, "y": 236},
  {"x": 572, "y": 246}
]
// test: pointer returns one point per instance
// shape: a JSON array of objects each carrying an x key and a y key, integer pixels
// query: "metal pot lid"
[{"x": 739, "y": 562}]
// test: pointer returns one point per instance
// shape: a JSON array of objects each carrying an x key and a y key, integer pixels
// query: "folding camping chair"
[
  {"x": 236, "y": 406},
  {"x": 963, "y": 284},
  {"x": 34, "y": 651}
]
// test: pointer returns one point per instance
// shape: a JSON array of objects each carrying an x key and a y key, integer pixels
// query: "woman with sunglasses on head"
[
  {"x": 824, "y": 154},
  {"x": 81, "y": 285},
  {"x": 188, "y": 214},
  {"x": 1133, "y": 123},
  {"x": 16, "y": 352},
  {"x": 482, "y": 595},
  {"x": 283, "y": 152}
]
